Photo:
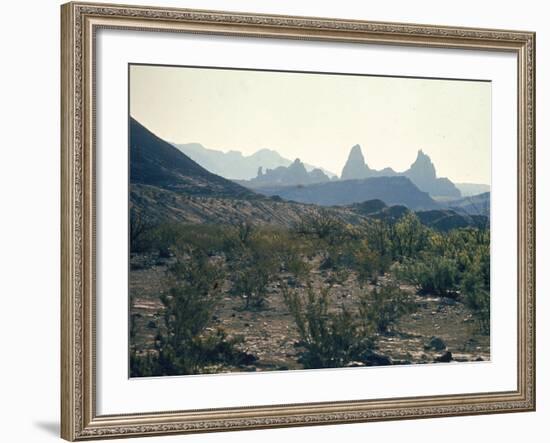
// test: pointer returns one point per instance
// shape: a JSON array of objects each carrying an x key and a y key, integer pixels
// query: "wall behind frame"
[{"x": 29, "y": 225}]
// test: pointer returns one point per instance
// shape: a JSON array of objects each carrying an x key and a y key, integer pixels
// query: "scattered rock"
[
  {"x": 354, "y": 364},
  {"x": 436, "y": 343},
  {"x": 375, "y": 359},
  {"x": 247, "y": 359},
  {"x": 445, "y": 358}
]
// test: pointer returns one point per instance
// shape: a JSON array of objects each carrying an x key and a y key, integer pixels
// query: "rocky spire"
[
  {"x": 355, "y": 167},
  {"x": 423, "y": 174},
  {"x": 422, "y": 168}
]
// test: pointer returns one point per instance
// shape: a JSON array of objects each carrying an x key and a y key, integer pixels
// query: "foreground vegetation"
[{"x": 387, "y": 261}]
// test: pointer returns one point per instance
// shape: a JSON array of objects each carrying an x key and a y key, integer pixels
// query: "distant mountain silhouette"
[
  {"x": 156, "y": 162},
  {"x": 234, "y": 165},
  {"x": 357, "y": 168},
  {"x": 292, "y": 175},
  {"x": 422, "y": 173},
  {"x": 391, "y": 190},
  {"x": 470, "y": 189},
  {"x": 472, "y": 205}
]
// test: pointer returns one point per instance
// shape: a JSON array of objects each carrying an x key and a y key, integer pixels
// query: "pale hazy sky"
[{"x": 318, "y": 118}]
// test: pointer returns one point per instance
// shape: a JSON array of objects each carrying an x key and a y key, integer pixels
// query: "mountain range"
[
  {"x": 267, "y": 167},
  {"x": 167, "y": 185},
  {"x": 236, "y": 166},
  {"x": 293, "y": 175},
  {"x": 470, "y": 189},
  {"x": 422, "y": 173}
]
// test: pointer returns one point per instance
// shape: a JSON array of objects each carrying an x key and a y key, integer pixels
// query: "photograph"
[
  {"x": 289, "y": 217},
  {"x": 292, "y": 220}
]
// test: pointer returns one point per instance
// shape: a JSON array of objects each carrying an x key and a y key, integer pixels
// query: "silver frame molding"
[{"x": 79, "y": 22}]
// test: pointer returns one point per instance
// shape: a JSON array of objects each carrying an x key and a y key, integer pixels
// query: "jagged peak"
[
  {"x": 355, "y": 167},
  {"x": 356, "y": 153},
  {"x": 422, "y": 155},
  {"x": 422, "y": 159},
  {"x": 297, "y": 165}
]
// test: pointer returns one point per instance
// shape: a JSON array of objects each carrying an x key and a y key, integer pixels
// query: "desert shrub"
[
  {"x": 408, "y": 236},
  {"x": 141, "y": 231},
  {"x": 188, "y": 311},
  {"x": 431, "y": 274},
  {"x": 244, "y": 232},
  {"x": 383, "y": 306},
  {"x": 186, "y": 346},
  {"x": 251, "y": 283},
  {"x": 337, "y": 256},
  {"x": 378, "y": 237},
  {"x": 296, "y": 265},
  {"x": 456, "y": 264},
  {"x": 475, "y": 287},
  {"x": 338, "y": 276},
  {"x": 330, "y": 339},
  {"x": 477, "y": 298},
  {"x": 145, "y": 365},
  {"x": 170, "y": 239},
  {"x": 254, "y": 268},
  {"x": 369, "y": 264},
  {"x": 325, "y": 227}
]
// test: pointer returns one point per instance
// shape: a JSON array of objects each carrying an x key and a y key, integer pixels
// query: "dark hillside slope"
[{"x": 157, "y": 163}]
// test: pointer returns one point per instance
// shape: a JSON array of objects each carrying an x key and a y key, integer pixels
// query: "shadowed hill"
[
  {"x": 397, "y": 190},
  {"x": 156, "y": 162},
  {"x": 439, "y": 219}
]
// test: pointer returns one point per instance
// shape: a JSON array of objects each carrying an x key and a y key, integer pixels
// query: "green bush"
[
  {"x": 378, "y": 237},
  {"x": 297, "y": 266},
  {"x": 141, "y": 231},
  {"x": 408, "y": 236},
  {"x": 432, "y": 275},
  {"x": 369, "y": 264},
  {"x": 383, "y": 306},
  {"x": 254, "y": 268},
  {"x": 330, "y": 339},
  {"x": 251, "y": 283},
  {"x": 476, "y": 294}
]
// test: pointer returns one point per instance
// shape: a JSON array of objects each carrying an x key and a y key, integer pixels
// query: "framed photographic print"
[{"x": 277, "y": 221}]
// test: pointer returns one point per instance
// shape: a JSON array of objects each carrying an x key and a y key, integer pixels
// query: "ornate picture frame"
[{"x": 80, "y": 23}]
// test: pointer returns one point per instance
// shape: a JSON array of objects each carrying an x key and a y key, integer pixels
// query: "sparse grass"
[{"x": 245, "y": 260}]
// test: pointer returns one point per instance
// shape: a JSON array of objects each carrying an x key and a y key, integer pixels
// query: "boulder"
[
  {"x": 435, "y": 343},
  {"x": 445, "y": 358}
]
